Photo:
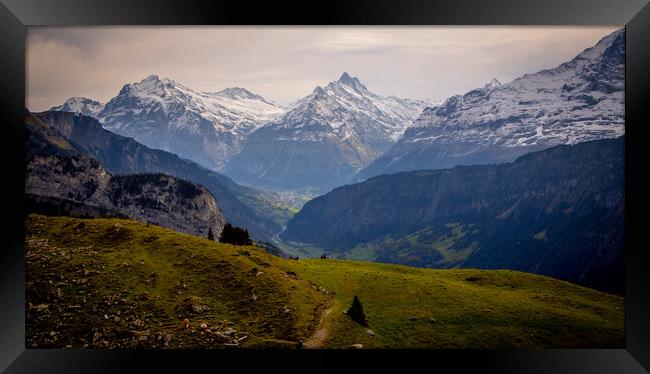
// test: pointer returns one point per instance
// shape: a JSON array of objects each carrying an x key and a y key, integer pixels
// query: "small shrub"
[{"x": 355, "y": 311}]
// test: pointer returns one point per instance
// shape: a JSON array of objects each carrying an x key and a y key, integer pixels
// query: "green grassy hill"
[{"x": 118, "y": 283}]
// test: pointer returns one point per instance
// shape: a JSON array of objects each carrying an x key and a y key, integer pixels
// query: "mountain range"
[
  {"x": 324, "y": 139},
  {"x": 580, "y": 100},
  {"x": 557, "y": 212},
  {"x": 343, "y": 133},
  {"x": 206, "y": 127}
]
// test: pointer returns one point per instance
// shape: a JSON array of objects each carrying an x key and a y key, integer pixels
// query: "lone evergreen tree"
[
  {"x": 355, "y": 311},
  {"x": 235, "y": 235},
  {"x": 210, "y": 234}
]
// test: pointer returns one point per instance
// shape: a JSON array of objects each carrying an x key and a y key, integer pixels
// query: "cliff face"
[
  {"x": 557, "y": 212},
  {"x": 166, "y": 201},
  {"x": 122, "y": 155},
  {"x": 56, "y": 174}
]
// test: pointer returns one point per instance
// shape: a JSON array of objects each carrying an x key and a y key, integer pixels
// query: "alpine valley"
[
  {"x": 557, "y": 212},
  {"x": 168, "y": 217}
]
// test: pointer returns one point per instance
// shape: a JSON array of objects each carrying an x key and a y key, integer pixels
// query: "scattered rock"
[
  {"x": 356, "y": 346},
  {"x": 195, "y": 305},
  {"x": 432, "y": 320},
  {"x": 254, "y": 297},
  {"x": 370, "y": 332}
]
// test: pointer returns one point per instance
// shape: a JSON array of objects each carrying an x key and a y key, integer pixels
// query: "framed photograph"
[{"x": 454, "y": 184}]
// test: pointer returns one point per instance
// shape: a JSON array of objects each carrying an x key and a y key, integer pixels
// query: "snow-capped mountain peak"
[
  {"x": 345, "y": 107},
  {"x": 579, "y": 100},
  {"x": 352, "y": 82},
  {"x": 325, "y": 137},
  {"x": 81, "y": 105},
  {"x": 239, "y": 93},
  {"x": 207, "y": 127}
]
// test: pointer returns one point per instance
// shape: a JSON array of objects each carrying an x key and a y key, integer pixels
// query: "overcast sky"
[{"x": 286, "y": 63}]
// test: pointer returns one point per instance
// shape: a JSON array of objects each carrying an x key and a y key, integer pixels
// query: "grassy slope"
[
  {"x": 155, "y": 270},
  {"x": 499, "y": 309},
  {"x": 406, "y": 307},
  {"x": 412, "y": 246}
]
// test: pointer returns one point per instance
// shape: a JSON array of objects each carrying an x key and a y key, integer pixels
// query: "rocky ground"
[{"x": 94, "y": 296}]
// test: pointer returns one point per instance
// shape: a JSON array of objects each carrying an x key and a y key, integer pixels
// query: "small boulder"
[
  {"x": 356, "y": 346},
  {"x": 370, "y": 332}
]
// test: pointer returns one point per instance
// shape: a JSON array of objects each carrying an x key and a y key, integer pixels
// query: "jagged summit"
[
  {"x": 494, "y": 83},
  {"x": 345, "y": 77},
  {"x": 350, "y": 81}
]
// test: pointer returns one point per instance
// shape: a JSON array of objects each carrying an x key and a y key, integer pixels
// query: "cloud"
[{"x": 285, "y": 63}]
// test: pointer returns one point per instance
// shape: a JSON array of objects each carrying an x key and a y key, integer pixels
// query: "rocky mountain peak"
[
  {"x": 494, "y": 83},
  {"x": 352, "y": 82},
  {"x": 239, "y": 93}
]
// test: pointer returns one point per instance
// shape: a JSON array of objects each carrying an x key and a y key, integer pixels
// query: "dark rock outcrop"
[
  {"x": 122, "y": 155},
  {"x": 56, "y": 173}
]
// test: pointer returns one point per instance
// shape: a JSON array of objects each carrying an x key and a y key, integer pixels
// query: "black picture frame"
[{"x": 16, "y": 15}]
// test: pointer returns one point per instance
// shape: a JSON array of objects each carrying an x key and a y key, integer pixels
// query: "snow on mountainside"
[
  {"x": 206, "y": 127},
  {"x": 81, "y": 105},
  {"x": 324, "y": 138},
  {"x": 579, "y": 100},
  {"x": 350, "y": 109},
  {"x": 234, "y": 110}
]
